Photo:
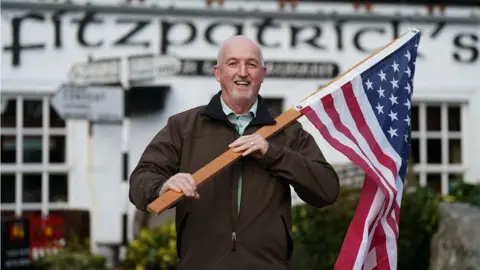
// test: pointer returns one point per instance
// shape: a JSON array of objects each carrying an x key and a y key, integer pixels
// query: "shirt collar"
[{"x": 229, "y": 111}]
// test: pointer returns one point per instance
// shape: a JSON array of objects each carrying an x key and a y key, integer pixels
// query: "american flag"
[{"x": 365, "y": 115}]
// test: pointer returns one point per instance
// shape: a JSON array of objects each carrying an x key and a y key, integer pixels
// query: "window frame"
[
  {"x": 421, "y": 168},
  {"x": 45, "y": 168}
]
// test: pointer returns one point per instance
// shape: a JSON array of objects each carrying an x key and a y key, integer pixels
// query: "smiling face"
[{"x": 240, "y": 70}]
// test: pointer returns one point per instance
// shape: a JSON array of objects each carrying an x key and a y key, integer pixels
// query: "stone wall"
[{"x": 456, "y": 245}]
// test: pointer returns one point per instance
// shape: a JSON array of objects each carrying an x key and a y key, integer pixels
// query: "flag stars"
[
  {"x": 405, "y": 137},
  {"x": 408, "y": 88},
  {"x": 408, "y": 104},
  {"x": 382, "y": 76},
  {"x": 379, "y": 109},
  {"x": 392, "y": 132},
  {"x": 394, "y": 83},
  {"x": 393, "y": 99},
  {"x": 395, "y": 66},
  {"x": 369, "y": 84},
  {"x": 407, "y": 55},
  {"x": 409, "y": 72},
  {"x": 407, "y": 120},
  {"x": 393, "y": 116},
  {"x": 380, "y": 92}
]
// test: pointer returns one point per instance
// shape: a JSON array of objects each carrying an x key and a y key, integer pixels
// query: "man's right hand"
[{"x": 181, "y": 182}]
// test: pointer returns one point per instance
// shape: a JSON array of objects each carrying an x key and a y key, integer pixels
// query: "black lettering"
[
  {"x": 138, "y": 26},
  {"x": 359, "y": 34},
  {"x": 167, "y": 26},
  {"x": 211, "y": 28},
  {"x": 57, "y": 24},
  {"x": 89, "y": 18},
  {"x": 468, "y": 42},
  {"x": 17, "y": 47},
  {"x": 313, "y": 41},
  {"x": 439, "y": 27},
  {"x": 395, "y": 28},
  {"x": 262, "y": 27},
  {"x": 339, "y": 32}
]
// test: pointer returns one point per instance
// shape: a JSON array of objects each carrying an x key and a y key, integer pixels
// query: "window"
[
  {"x": 437, "y": 146},
  {"x": 275, "y": 104},
  {"x": 34, "y": 174}
]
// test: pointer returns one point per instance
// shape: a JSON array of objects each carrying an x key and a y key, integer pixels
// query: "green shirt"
[{"x": 240, "y": 121}]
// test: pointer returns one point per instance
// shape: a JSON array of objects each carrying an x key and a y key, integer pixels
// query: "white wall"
[{"x": 439, "y": 75}]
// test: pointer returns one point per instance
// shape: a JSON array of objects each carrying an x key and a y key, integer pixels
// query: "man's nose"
[{"x": 242, "y": 70}]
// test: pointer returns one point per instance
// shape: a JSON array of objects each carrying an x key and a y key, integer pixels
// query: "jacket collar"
[{"x": 214, "y": 110}]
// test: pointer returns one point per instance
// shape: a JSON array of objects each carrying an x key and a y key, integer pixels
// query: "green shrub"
[
  {"x": 319, "y": 233},
  {"x": 464, "y": 192},
  {"x": 155, "y": 248},
  {"x": 75, "y": 256}
]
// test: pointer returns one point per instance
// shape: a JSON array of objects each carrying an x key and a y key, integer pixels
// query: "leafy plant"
[
  {"x": 155, "y": 248},
  {"x": 465, "y": 192},
  {"x": 319, "y": 233},
  {"x": 75, "y": 255}
]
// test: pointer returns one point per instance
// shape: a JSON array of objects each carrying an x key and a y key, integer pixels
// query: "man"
[{"x": 241, "y": 218}]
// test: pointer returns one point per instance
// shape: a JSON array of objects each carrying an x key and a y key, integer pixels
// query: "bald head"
[
  {"x": 239, "y": 41},
  {"x": 240, "y": 71}
]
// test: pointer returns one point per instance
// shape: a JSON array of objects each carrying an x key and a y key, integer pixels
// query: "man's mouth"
[{"x": 242, "y": 83}]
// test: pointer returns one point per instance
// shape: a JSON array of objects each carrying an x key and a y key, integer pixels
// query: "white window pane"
[
  {"x": 8, "y": 188},
  {"x": 58, "y": 187},
  {"x": 455, "y": 151},
  {"x": 433, "y": 118},
  {"x": 8, "y": 143},
  {"x": 454, "y": 118},
  {"x": 414, "y": 118},
  {"x": 32, "y": 188},
  {"x": 415, "y": 150},
  {"x": 9, "y": 113},
  {"x": 434, "y": 181},
  {"x": 32, "y": 149},
  {"x": 434, "y": 151},
  {"x": 55, "y": 120},
  {"x": 57, "y": 149},
  {"x": 32, "y": 113}
]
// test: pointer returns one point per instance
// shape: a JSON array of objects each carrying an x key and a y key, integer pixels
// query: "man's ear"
[
  {"x": 216, "y": 71},
  {"x": 264, "y": 73}
]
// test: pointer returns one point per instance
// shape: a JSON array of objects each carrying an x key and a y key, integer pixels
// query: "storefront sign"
[
  {"x": 94, "y": 32},
  {"x": 93, "y": 103},
  {"x": 275, "y": 69},
  {"x": 15, "y": 244}
]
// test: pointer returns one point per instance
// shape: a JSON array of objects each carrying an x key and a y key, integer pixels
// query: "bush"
[
  {"x": 155, "y": 248},
  {"x": 319, "y": 233},
  {"x": 75, "y": 256},
  {"x": 464, "y": 192}
]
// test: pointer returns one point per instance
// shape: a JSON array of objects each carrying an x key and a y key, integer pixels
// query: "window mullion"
[
  {"x": 464, "y": 139},
  {"x": 445, "y": 150},
  {"x": 422, "y": 141},
  {"x": 19, "y": 157},
  {"x": 45, "y": 155}
]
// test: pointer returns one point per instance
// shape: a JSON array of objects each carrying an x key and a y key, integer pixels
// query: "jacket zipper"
[
  {"x": 236, "y": 135},
  {"x": 234, "y": 241}
]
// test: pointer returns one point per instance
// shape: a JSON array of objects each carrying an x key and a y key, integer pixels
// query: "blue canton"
[{"x": 389, "y": 88}]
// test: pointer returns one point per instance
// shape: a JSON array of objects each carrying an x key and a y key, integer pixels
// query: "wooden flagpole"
[{"x": 217, "y": 165}]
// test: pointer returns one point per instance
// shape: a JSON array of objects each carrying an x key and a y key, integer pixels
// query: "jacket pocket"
[
  {"x": 290, "y": 244},
  {"x": 180, "y": 232}
]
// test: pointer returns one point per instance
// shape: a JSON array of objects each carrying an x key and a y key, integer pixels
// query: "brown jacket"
[{"x": 210, "y": 234}]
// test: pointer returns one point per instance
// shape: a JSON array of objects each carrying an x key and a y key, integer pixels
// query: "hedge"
[{"x": 318, "y": 235}]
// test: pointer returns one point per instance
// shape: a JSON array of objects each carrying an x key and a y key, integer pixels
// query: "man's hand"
[
  {"x": 181, "y": 182},
  {"x": 250, "y": 144}
]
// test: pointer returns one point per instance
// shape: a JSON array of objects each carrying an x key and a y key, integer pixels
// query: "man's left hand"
[{"x": 253, "y": 144}]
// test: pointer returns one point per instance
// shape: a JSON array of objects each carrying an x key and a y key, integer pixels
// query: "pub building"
[{"x": 117, "y": 72}]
